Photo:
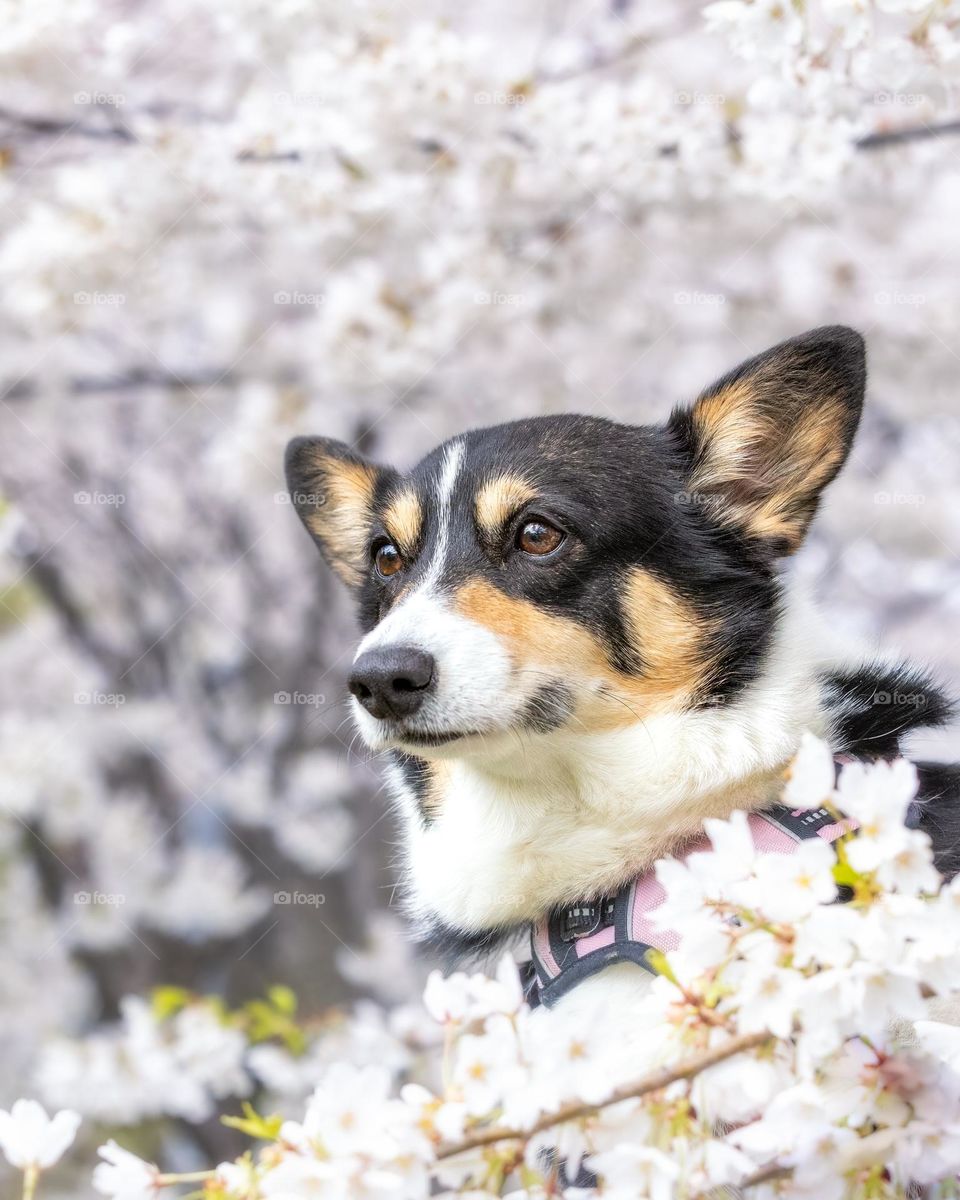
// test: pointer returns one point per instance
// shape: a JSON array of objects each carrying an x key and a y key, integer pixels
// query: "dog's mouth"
[{"x": 426, "y": 738}]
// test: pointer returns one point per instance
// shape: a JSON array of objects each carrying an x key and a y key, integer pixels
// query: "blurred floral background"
[{"x": 229, "y": 222}]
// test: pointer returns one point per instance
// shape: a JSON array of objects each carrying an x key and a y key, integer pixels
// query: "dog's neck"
[{"x": 547, "y": 821}]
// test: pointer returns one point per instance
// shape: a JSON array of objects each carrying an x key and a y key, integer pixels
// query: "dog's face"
[{"x": 572, "y": 573}]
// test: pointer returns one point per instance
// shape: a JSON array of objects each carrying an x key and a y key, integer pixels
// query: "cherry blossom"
[
  {"x": 31, "y": 1140},
  {"x": 124, "y": 1176}
]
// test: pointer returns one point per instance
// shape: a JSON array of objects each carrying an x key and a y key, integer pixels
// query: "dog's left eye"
[
  {"x": 537, "y": 537},
  {"x": 387, "y": 560}
]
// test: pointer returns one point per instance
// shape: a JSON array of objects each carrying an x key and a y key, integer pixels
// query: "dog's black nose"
[{"x": 392, "y": 682}]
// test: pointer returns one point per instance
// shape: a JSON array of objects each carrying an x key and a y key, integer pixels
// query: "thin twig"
[
  {"x": 868, "y": 1151},
  {"x": 642, "y": 1087},
  {"x": 62, "y": 126},
  {"x": 913, "y": 133},
  {"x": 733, "y": 1191}
]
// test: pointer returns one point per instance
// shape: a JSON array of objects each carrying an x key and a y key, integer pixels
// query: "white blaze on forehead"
[
  {"x": 449, "y": 469},
  {"x": 408, "y": 623}
]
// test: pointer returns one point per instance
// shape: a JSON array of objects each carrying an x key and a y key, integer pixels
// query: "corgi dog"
[{"x": 581, "y": 638}]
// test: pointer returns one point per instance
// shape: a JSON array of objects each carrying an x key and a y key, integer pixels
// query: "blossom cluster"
[
  {"x": 186, "y": 1056},
  {"x": 787, "y": 1044}
]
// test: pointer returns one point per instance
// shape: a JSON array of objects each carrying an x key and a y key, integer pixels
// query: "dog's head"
[{"x": 571, "y": 572}]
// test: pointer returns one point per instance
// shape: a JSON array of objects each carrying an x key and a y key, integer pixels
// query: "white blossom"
[
  {"x": 124, "y": 1176},
  {"x": 29, "y": 1138},
  {"x": 629, "y": 1171},
  {"x": 811, "y": 779}
]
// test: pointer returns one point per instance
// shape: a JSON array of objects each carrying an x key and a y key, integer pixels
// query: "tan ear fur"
[
  {"x": 766, "y": 439},
  {"x": 332, "y": 489}
]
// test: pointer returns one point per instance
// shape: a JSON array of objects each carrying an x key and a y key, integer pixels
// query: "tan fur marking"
[
  {"x": 669, "y": 635},
  {"x": 729, "y": 428},
  {"x": 671, "y": 645},
  {"x": 436, "y": 791},
  {"x": 404, "y": 520},
  {"x": 727, "y": 416},
  {"x": 498, "y": 499},
  {"x": 764, "y": 470},
  {"x": 343, "y": 518}
]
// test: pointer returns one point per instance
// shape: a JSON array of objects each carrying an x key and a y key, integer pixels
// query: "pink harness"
[{"x": 577, "y": 942}]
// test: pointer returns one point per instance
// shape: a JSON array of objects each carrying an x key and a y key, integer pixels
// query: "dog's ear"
[
  {"x": 333, "y": 490},
  {"x": 765, "y": 440}
]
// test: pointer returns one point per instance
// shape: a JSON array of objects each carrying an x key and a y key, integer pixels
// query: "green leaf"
[
  {"x": 166, "y": 1001},
  {"x": 845, "y": 875},
  {"x": 254, "y": 1125},
  {"x": 658, "y": 961},
  {"x": 283, "y": 999}
]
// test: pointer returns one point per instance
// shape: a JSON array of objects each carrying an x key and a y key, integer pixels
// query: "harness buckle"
[{"x": 582, "y": 919}]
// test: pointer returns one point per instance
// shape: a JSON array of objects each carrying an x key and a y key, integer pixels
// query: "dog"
[{"x": 582, "y": 638}]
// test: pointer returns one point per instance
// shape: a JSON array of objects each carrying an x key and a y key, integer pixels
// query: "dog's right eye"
[
  {"x": 537, "y": 537},
  {"x": 387, "y": 560}
]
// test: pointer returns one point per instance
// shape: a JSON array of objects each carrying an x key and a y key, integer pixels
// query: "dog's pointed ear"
[
  {"x": 763, "y": 442},
  {"x": 333, "y": 489}
]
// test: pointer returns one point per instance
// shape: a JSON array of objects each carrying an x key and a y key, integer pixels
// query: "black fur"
[
  {"x": 547, "y": 709},
  {"x": 875, "y": 706},
  {"x": 874, "y": 709},
  {"x": 416, "y": 775},
  {"x": 458, "y": 948},
  {"x": 939, "y": 800}
]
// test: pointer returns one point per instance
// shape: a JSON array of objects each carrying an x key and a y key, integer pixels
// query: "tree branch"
[
  {"x": 730, "y": 1191},
  {"x": 642, "y": 1087},
  {"x": 913, "y": 133},
  {"x": 135, "y": 377},
  {"x": 60, "y": 127}
]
